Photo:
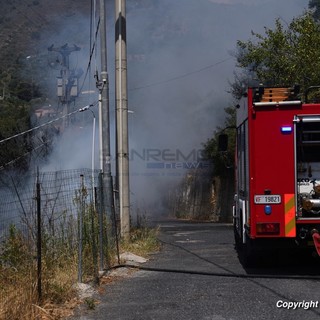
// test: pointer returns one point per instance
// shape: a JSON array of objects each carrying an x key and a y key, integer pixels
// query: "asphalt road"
[{"x": 198, "y": 275}]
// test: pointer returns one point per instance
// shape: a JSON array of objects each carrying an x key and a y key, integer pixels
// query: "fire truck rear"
[{"x": 277, "y": 200}]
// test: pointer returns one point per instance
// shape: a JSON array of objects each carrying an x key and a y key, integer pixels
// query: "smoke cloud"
[{"x": 179, "y": 66}]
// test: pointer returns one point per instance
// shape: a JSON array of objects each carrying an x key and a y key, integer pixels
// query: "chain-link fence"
[{"x": 54, "y": 232}]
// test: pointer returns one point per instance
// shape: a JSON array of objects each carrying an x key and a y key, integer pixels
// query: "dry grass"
[
  {"x": 19, "y": 296},
  {"x": 143, "y": 241},
  {"x": 18, "y": 284}
]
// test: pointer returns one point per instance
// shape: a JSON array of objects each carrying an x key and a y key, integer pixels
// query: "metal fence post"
[
  {"x": 100, "y": 215},
  {"x": 93, "y": 239},
  {"x": 39, "y": 240},
  {"x": 80, "y": 225}
]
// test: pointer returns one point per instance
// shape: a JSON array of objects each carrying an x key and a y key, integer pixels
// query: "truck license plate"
[{"x": 267, "y": 199}]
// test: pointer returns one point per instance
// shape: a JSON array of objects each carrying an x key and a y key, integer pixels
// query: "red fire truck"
[{"x": 277, "y": 169}]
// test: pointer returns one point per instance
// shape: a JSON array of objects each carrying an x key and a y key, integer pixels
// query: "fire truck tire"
[
  {"x": 237, "y": 238},
  {"x": 249, "y": 254}
]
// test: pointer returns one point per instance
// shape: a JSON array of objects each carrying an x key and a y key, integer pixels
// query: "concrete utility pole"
[
  {"x": 122, "y": 145},
  {"x": 67, "y": 83},
  {"x": 104, "y": 113}
]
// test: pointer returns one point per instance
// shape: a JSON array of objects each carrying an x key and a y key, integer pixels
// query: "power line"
[
  {"x": 21, "y": 157},
  {"x": 91, "y": 55},
  {"x": 180, "y": 76},
  {"x": 48, "y": 123}
]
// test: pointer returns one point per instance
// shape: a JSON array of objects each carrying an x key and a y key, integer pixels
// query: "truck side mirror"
[{"x": 223, "y": 142}]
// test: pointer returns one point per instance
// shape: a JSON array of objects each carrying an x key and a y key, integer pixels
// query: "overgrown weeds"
[
  {"x": 143, "y": 238},
  {"x": 143, "y": 241},
  {"x": 19, "y": 292}
]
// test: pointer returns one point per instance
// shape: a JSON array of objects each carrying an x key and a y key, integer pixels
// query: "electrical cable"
[
  {"x": 180, "y": 76},
  {"x": 26, "y": 17},
  {"x": 22, "y": 156},
  {"x": 49, "y": 122},
  {"x": 90, "y": 43},
  {"x": 39, "y": 15},
  {"x": 91, "y": 55},
  {"x": 2, "y": 167}
]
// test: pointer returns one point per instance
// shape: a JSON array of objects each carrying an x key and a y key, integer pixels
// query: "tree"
[
  {"x": 285, "y": 55},
  {"x": 315, "y": 6},
  {"x": 223, "y": 169},
  {"x": 14, "y": 119},
  {"x": 19, "y": 84},
  {"x": 221, "y": 162}
]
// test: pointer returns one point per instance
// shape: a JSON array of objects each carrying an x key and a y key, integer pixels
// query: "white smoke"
[{"x": 179, "y": 66}]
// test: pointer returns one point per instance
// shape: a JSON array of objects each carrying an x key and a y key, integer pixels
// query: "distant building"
[{"x": 45, "y": 112}]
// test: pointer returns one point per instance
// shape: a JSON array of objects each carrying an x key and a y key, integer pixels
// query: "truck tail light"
[{"x": 268, "y": 228}]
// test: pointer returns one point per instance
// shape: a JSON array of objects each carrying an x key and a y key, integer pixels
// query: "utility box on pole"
[{"x": 67, "y": 82}]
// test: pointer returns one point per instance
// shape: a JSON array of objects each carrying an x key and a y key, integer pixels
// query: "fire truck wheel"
[
  {"x": 237, "y": 238},
  {"x": 249, "y": 254}
]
